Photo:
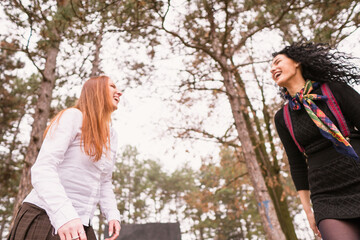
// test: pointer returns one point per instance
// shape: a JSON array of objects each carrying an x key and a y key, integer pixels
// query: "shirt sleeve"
[
  {"x": 108, "y": 203},
  {"x": 44, "y": 174},
  {"x": 348, "y": 100},
  {"x": 297, "y": 162}
]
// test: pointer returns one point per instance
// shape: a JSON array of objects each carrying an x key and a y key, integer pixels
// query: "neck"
[{"x": 296, "y": 85}]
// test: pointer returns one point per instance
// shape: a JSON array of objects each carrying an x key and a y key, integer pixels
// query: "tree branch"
[
  {"x": 343, "y": 26},
  {"x": 249, "y": 63},
  {"x": 208, "y": 135},
  {"x": 251, "y": 33},
  {"x": 176, "y": 35}
]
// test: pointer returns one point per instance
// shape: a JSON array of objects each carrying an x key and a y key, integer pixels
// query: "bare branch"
[
  {"x": 338, "y": 38},
  {"x": 183, "y": 41},
  {"x": 210, "y": 17},
  {"x": 28, "y": 41},
  {"x": 249, "y": 63},
  {"x": 231, "y": 181},
  {"x": 42, "y": 14},
  {"x": 226, "y": 28},
  {"x": 251, "y": 33},
  {"x": 208, "y": 135}
]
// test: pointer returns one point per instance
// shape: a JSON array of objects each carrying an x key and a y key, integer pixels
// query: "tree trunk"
[
  {"x": 95, "y": 71},
  {"x": 101, "y": 226},
  {"x": 2, "y": 226},
  {"x": 270, "y": 171},
  {"x": 265, "y": 205},
  {"x": 41, "y": 116}
]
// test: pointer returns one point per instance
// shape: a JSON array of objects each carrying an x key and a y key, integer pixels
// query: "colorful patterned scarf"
[{"x": 326, "y": 126}]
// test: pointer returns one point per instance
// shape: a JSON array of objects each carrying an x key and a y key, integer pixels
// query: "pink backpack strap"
[
  {"x": 335, "y": 109},
  {"x": 288, "y": 123}
]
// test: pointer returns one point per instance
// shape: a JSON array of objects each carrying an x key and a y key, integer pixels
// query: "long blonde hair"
[{"x": 96, "y": 106}]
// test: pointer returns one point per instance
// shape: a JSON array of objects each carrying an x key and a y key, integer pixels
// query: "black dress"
[{"x": 332, "y": 178}]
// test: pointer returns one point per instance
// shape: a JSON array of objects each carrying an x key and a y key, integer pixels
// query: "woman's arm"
[
  {"x": 108, "y": 203},
  {"x": 305, "y": 201},
  {"x": 297, "y": 162},
  {"x": 44, "y": 173},
  {"x": 298, "y": 168},
  {"x": 109, "y": 207}
]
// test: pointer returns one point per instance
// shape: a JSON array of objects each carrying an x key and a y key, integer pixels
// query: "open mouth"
[
  {"x": 277, "y": 75},
  {"x": 117, "y": 99}
]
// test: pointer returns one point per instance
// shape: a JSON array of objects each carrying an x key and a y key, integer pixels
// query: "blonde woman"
[{"x": 73, "y": 170}]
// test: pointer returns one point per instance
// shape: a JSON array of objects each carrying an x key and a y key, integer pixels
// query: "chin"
[{"x": 280, "y": 83}]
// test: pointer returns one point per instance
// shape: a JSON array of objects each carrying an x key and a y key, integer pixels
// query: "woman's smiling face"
[
  {"x": 283, "y": 70},
  {"x": 114, "y": 93}
]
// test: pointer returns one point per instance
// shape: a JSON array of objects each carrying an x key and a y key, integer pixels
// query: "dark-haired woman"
[
  {"x": 328, "y": 171},
  {"x": 73, "y": 170}
]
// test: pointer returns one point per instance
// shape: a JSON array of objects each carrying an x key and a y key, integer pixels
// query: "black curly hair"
[{"x": 321, "y": 63}]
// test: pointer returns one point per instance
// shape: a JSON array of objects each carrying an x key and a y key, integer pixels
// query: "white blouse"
[{"x": 67, "y": 183}]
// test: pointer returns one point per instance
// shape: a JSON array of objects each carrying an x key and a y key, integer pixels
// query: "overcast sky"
[{"x": 146, "y": 111}]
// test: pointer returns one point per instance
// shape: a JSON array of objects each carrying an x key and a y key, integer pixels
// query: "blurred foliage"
[
  {"x": 219, "y": 35},
  {"x": 16, "y": 99},
  {"x": 217, "y": 199},
  {"x": 223, "y": 205}
]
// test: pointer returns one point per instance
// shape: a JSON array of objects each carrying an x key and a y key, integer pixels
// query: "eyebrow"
[{"x": 275, "y": 59}]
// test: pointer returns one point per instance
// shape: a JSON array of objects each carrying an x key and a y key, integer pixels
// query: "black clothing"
[
  {"x": 333, "y": 178},
  {"x": 333, "y": 229}
]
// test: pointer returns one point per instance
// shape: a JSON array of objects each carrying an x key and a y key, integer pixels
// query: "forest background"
[{"x": 197, "y": 139}]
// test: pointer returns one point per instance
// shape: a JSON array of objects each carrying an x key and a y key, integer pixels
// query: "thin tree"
[
  {"x": 51, "y": 26},
  {"x": 217, "y": 30}
]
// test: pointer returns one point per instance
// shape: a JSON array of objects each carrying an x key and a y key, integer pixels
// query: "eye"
[{"x": 276, "y": 61}]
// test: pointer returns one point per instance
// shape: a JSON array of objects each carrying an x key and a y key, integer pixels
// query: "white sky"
[{"x": 143, "y": 116}]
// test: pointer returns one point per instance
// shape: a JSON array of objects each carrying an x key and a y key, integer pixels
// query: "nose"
[{"x": 272, "y": 69}]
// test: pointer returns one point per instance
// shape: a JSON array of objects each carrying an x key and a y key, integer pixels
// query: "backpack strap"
[
  {"x": 335, "y": 109},
  {"x": 288, "y": 123}
]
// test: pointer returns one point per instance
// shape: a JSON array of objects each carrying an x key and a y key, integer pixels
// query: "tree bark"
[
  {"x": 41, "y": 116},
  {"x": 101, "y": 226},
  {"x": 270, "y": 170},
  {"x": 95, "y": 71},
  {"x": 265, "y": 205},
  {"x": 2, "y": 226},
  {"x": 239, "y": 110}
]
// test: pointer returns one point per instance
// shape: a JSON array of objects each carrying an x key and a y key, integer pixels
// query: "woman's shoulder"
[
  {"x": 338, "y": 86},
  {"x": 343, "y": 91},
  {"x": 73, "y": 112},
  {"x": 71, "y": 116},
  {"x": 279, "y": 114}
]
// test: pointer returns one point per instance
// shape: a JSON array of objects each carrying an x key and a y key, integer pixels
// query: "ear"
[{"x": 297, "y": 64}]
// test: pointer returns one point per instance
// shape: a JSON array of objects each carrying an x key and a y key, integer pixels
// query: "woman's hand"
[
  {"x": 305, "y": 201},
  {"x": 72, "y": 230},
  {"x": 311, "y": 219},
  {"x": 114, "y": 229}
]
